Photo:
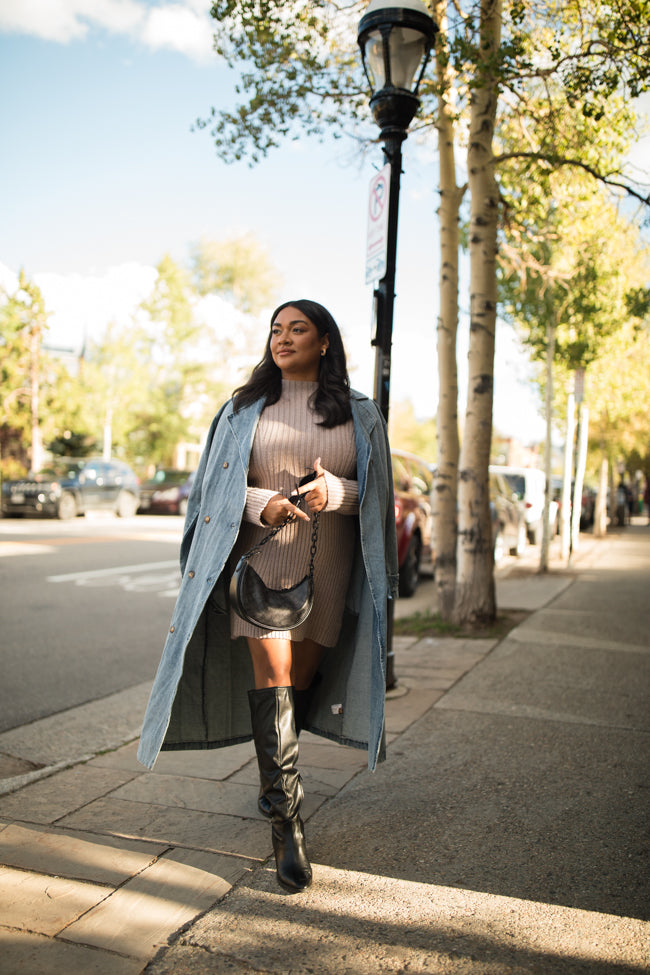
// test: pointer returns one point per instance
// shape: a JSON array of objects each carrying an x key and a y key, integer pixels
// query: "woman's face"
[{"x": 296, "y": 346}]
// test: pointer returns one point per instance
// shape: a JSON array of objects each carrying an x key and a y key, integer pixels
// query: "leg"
[
  {"x": 305, "y": 658},
  {"x": 280, "y": 663},
  {"x": 271, "y": 661},
  {"x": 276, "y": 744}
]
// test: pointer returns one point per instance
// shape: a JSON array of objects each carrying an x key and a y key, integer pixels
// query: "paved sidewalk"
[{"x": 506, "y": 833}]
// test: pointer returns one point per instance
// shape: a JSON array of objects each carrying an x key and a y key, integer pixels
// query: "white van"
[{"x": 528, "y": 484}]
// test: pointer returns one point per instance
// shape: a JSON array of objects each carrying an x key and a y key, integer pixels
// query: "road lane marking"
[
  {"x": 118, "y": 570},
  {"x": 163, "y": 578}
]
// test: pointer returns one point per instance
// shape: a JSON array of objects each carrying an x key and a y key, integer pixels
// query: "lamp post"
[{"x": 395, "y": 38}]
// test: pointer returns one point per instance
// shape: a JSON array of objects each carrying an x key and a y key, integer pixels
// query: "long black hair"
[{"x": 332, "y": 398}]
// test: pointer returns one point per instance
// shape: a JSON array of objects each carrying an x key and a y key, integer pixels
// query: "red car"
[{"x": 412, "y": 484}]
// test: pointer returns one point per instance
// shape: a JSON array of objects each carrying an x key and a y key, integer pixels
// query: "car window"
[
  {"x": 170, "y": 477},
  {"x": 517, "y": 484},
  {"x": 63, "y": 469}
]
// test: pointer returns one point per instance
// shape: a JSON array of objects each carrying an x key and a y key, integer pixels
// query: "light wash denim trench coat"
[{"x": 199, "y": 697}]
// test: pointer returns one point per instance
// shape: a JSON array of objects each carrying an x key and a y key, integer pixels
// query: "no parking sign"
[{"x": 377, "y": 235}]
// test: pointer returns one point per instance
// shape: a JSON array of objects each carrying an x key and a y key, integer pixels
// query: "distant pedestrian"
[{"x": 327, "y": 676}]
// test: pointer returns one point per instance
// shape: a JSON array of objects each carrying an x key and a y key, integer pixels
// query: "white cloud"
[
  {"x": 177, "y": 27},
  {"x": 8, "y": 280},
  {"x": 184, "y": 26},
  {"x": 81, "y": 306}
]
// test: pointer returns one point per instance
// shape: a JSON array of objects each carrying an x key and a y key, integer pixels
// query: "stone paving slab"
[
  {"x": 43, "y": 904},
  {"x": 213, "y": 763},
  {"x": 407, "y": 709},
  {"x": 189, "y": 828},
  {"x": 597, "y": 686},
  {"x": 351, "y": 923},
  {"x": 139, "y": 917},
  {"x": 26, "y": 953},
  {"x": 79, "y": 856},
  {"x": 190, "y": 793},
  {"x": 50, "y": 799}
]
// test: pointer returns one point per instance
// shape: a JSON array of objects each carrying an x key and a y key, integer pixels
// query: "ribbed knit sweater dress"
[{"x": 287, "y": 442}]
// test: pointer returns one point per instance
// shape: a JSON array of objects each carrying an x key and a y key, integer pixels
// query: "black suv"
[{"x": 68, "y": 487}]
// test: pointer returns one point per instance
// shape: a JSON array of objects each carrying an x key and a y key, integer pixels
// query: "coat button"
[
  {"x": 171, "y": 629},
  {"x": 191, "y": 574},
  {"x": 225, "y": 464},
  {"x": 206, "y": 519}
]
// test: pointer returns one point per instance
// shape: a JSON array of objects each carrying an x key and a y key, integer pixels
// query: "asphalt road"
[{"x": 84, "y": 608}]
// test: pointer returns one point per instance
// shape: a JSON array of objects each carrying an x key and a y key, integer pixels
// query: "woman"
[{"x": 296, "y": 412}]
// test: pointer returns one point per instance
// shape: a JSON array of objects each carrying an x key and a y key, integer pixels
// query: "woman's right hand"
[{"x": 278, "y": 509}]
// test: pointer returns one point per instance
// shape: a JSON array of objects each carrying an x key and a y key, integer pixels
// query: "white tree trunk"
[
  {"x": 583, "y": 437},
  {"x": 546, "y": 528},
  {"x": 565, "y": 511},
  {"x": 600, "y": 514},
  {"x": 475, "y": 592},
  {"x": 35, "y": 395},
  {"x": 445, "y": 495}
]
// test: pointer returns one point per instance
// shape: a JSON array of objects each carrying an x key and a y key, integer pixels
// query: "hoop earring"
[{"x": 323, "y": 351}]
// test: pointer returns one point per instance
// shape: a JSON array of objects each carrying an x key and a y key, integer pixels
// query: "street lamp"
[{"x": 395, "y": 37}]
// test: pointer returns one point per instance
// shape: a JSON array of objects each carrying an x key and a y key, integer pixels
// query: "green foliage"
[
  {"x": 564, "y": 68},
  {"x": 570, "y": 275},
  {"x": 23, "y": 320},
  {"x": 153, "y": 383},
  {"x": 238, "y": 269},
  {"x": 299, "y": 66},
  {"x": 408, "y": 433}
]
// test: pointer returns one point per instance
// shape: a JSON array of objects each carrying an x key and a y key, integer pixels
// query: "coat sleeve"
[{"x": 194, "y": 499}]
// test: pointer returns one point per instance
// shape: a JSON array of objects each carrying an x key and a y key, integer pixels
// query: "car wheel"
[
  {"x": 182, "y": 507},
  {"x": 409, "y": 573},
  {"x": 127, "y": 505},
  {"x": 535, "y": 533},
  {"x": 67, "y": 507}
]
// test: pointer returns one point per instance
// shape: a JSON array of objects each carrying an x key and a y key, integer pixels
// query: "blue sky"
[{"x": 100, "y": 175}]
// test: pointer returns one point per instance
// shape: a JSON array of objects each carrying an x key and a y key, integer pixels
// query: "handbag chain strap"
[{"x": 278, "y": 528}]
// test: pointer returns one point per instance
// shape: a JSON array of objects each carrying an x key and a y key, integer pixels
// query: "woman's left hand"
[{"x": 315, "y": 492}]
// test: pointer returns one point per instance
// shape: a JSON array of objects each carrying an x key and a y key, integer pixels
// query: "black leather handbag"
[{"x": 273, "y": 609}]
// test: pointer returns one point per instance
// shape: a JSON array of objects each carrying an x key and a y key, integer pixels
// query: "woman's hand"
[
  {"x": 278, "y": 509},
  {"x": 315, "y": 492}
]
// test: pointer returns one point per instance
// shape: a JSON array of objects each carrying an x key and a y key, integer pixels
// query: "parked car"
[
  {"x": 68, "y": 487},
  {"x": 166, "y": 493},
  {"x": 588, "y": 508},
  {"x": 412, "y": 484},
  {"x": 529, "y": 484},
  {"x": 508, "y": 518}
]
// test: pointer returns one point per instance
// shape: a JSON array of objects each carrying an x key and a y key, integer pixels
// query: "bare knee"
[{"x": 271, "y": 662}]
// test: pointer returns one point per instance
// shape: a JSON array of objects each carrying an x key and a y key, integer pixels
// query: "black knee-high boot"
[
  {"x": 301, "y": 704},
  {"x": 276, "y": 744}
]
